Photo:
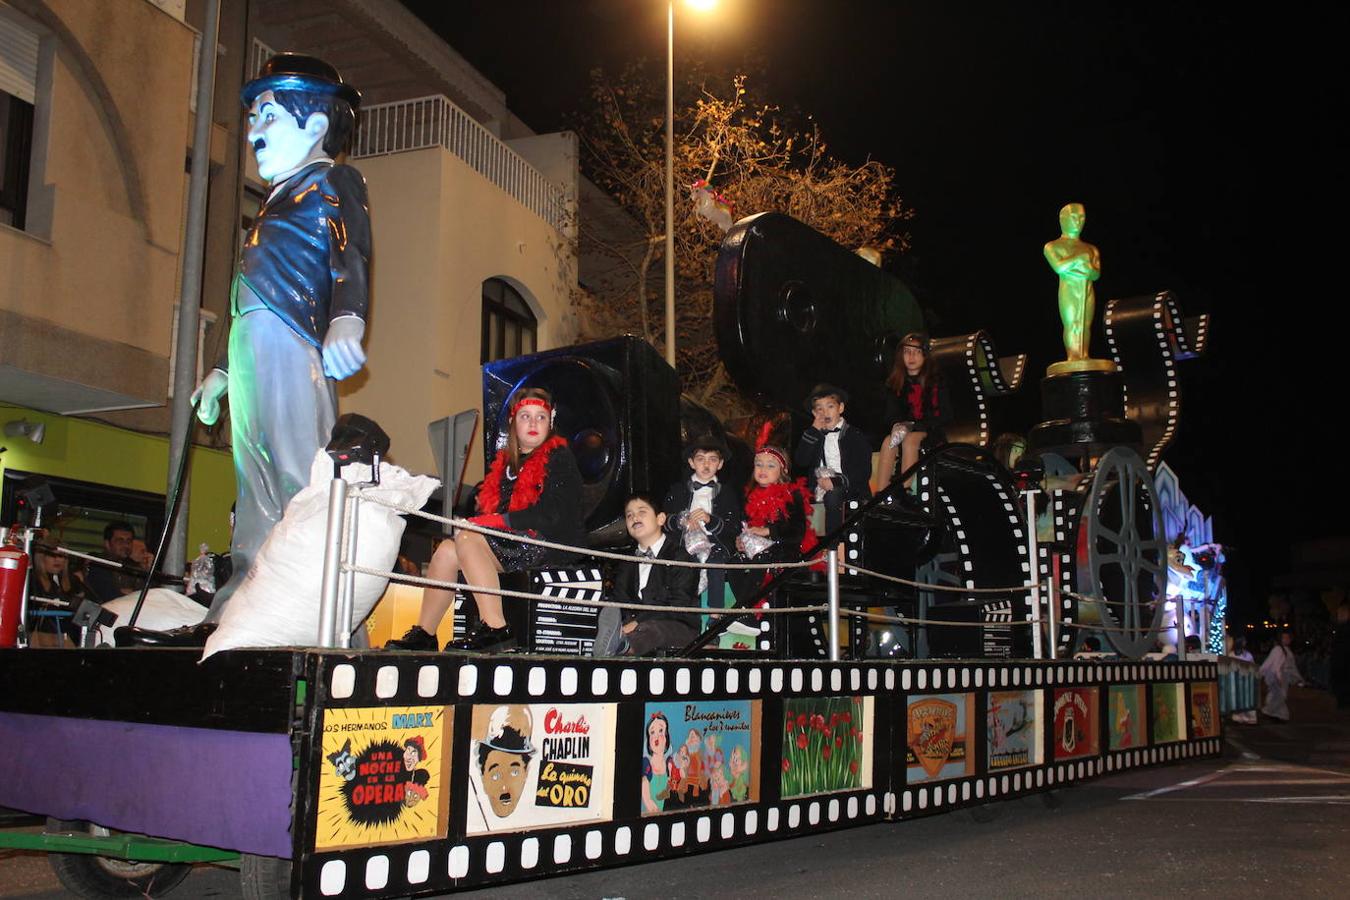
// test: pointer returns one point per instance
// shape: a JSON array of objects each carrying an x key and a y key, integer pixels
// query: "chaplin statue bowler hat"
[{"x": 297, "y": 72}]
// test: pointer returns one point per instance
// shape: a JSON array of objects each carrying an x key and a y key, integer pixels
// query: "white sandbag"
[
  {"x": 163, "y": 609},
  {"x": 278, "y": 603}
]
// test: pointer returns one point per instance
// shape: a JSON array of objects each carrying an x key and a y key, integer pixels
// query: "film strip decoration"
[
  {"x": 557, "y": 626},
  {"x": 1147, "y": 337},
  {"x": 1057, "y": 556},
  {"x": 974, "y": 372},
  {"x": 926, "y": 737},
  {"x": 985, "y": 545}
]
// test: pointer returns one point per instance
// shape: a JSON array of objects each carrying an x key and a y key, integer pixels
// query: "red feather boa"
[
  {"x": 765, "y": 505},
  {"x": 529, "y": 483}
]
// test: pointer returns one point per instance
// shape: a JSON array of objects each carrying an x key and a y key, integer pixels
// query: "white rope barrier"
[
  {"x": 906, "y": 620},
  {"x": 882, "y": 576},
  {"x": 526, "y": 595},
  {"x": 814, "y": 559},
  {"x": 518, "y": 537}
]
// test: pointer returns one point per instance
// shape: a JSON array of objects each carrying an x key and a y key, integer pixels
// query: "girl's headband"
[
  {"x": 775, "y": 453},
  {"x": 535, "y": 401}
]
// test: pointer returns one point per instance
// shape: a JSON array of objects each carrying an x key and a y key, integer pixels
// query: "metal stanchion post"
[
  {"x": 28, "y": 534},
  {"x": 1033, "y": 556},
  {"x": 347, "y": 596},
  {"x": 332, "y": 564},
  {"x": 832, "y": 585},
  {"x": 1179, "y": 605},
  {"x": 1054, "y": 606}
]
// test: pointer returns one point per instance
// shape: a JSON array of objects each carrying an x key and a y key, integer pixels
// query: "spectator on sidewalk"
[{"x": 1280, "y": 673}]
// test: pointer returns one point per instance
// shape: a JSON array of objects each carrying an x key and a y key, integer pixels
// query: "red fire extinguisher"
[{"x": 13, "y": 574}]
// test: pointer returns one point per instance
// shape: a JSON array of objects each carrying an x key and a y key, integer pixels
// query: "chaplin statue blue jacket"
[{"x": 307, "y": 254}]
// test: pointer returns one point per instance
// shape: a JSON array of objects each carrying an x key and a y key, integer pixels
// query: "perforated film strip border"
[
  {"x": 921, "y": 799},
  {"x": 384, "y": 871},
  {"x": 390, "y": 870},
  {"x": 926, "y": 799},
  {"x": 429, "y": 679},
  {"x": 422, "y": 680},
  {"x": 521, "y": 855}
]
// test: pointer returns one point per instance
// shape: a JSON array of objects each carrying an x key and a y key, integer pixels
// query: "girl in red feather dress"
[
  {"x": 777, "y": 519},
  {"x": 532, "y": 487}
]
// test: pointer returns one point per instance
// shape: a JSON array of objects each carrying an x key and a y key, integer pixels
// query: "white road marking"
[{"x": 1298, "y": 775}]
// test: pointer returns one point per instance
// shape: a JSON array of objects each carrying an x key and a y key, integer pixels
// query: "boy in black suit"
[
  {"x": 704, "y": 514},
  {"x": 625, "y": 632},
  {"x": 835, "y": 457}
]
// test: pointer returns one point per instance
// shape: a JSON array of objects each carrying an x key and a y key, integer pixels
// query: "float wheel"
[
  {"x": 264, "y": 877},
  {"x": 97, "y": 877}
]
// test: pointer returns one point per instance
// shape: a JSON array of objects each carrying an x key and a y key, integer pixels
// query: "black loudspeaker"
[{"x": 618, "y": 405}]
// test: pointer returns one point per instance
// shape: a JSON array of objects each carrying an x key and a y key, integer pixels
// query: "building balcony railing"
[{"x": 434, "y": 121}]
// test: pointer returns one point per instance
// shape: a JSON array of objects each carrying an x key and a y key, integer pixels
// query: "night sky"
[{"x": 1199, "y": 137}]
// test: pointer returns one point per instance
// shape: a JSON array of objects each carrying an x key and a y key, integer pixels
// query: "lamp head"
[{"x": 34, "y": 431}]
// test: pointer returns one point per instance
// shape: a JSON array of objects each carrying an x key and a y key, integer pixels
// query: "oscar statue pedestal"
[{"x": 1084, "y": 414}]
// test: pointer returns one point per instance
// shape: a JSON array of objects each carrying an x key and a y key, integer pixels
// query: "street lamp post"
[
  {"x": 670, "y": 170},
  {"x": 670, "y": 183}
]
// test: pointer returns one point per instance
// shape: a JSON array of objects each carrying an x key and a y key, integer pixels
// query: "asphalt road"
[{"x": 1270, "y": 816}]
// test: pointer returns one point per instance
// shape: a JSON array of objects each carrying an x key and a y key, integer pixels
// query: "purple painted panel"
[{"x": 229, "y": 789}]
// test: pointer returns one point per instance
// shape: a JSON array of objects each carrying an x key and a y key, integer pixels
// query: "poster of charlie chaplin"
[{"x": 539, "y": 765}]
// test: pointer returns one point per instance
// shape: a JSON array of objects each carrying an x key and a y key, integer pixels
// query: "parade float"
[{"x": 331, "y": 771}]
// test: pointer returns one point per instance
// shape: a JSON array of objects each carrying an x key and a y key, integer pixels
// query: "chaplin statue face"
[
  {"x": 1071, "y": 219},
  {"x": 282, "y": 145}
]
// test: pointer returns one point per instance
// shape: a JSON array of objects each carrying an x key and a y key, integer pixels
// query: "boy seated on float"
[
  {"x": 627, "y": 632},
  {"x": 704, "y": 514},
  {"x": 835, "y": 457}
]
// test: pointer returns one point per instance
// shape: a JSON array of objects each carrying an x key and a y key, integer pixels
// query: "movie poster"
[
  {"x": 1077, "y": 732},
  {"x": 384, "y": 776},
  {"x": 939, "y": 737},
  {"x": 1168, "y": 713},
  {"x": 700, "y": 754},
  {"x": 1013, "y": 732},
  {"x": 539, "y": 765},
  {"x": 1126, "y": 719},
  {"x": 1204, "y": 709},
  {"x": 827, "y": 745}
]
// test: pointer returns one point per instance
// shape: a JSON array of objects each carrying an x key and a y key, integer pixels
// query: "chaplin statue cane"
[{"x": 297, "y": 303}]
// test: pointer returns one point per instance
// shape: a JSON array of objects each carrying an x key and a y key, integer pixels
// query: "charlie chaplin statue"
[{"x": 297, "y": 304}]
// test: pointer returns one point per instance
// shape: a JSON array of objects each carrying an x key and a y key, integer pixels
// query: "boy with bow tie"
[
  {"x": 835, "y": 457},
  {"x": 704, "y": 514},
  {"x": 629, "y": 632}
]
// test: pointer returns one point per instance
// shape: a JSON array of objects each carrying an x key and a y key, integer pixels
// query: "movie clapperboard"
[
  {"x": 997, "y": 632},
  {"x": 557, "y": 626}
]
